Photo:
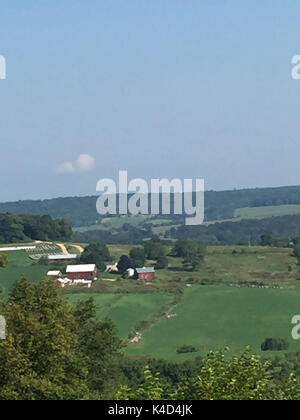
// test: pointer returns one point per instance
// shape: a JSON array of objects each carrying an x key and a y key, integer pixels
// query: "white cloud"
[{"x": 83, "y": 163}]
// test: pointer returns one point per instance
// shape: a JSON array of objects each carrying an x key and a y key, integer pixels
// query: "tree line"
[
  {"x": 22, "y": 228},
  {"x": 241, "y": 232},
  {"x": 81, "y": 211}
]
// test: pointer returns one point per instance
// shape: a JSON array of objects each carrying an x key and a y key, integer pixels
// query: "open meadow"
[
  {"x": 267, "y": 211},
  {"x": 240, "y": 296},
  {"x": 214, "y": 317}
]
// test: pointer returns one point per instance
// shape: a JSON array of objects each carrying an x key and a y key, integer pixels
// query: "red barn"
[
  {"x": 146, "y": 273},
  {"x": 82, "y": 272}
]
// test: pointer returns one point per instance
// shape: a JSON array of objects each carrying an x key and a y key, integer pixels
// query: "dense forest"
[
  {"x": 127, "y": 234},
  {"x": 81, "y": 211},
  {"x": 240, "y": 232},
  {"x": 14, "y": 229}
]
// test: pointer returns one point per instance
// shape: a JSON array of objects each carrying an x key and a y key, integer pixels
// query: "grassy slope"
[
  {"x": 215, "y": 317},
  {"x": 118, "y": 221},
  {"x": 126, "y": 310},
  {"x": 256, "y": 264},
  {"x": 209, "y": 316},
  {"x": 19, "y": 264},
  {"x": 267, "y": 211}
]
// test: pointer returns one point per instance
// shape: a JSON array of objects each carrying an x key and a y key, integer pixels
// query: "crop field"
[
  {"x": 267, "y": 211},
  {"x": 43, "y": 250},
  {"x": 215, "y": 317},
  {"x": 126, "y": 310}
]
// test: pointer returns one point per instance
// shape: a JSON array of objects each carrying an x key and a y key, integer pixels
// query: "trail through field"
[
  {"x": 80, "y": 248},
  {"x": 63, "y": 248}
]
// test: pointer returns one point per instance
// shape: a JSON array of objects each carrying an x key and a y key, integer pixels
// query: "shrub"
[
  {"x": 275, "y": 344},
  {"x": 3, "y": 260},
  {"x": 187, "y": 349}
]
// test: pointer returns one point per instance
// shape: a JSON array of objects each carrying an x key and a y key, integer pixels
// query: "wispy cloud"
[{"x": 83, "y": 163}]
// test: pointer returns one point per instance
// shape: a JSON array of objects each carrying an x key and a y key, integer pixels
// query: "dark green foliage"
[
  {"x": 11, "y": 229},
  {"x": 44, "y": 228},
  {"x": 138, "y": 257},
  {"x": 242, "y": 232},
  {"x": 40, "y": 358},
  {"x": 3, "y": 260},
  {"x": 186, "y": 349},
  {"x": 192, "y": 252},
  {"x": 296, "y": 252},
  {"x": 133, "y": 236},
  {"x": 81, "y": 211},
  {"x": 14, "y": 229},
  {"x": 242, "y": 377},
  {"x": 101, "y": 345},
  {"x": 98, "y": 254},
  {"x": 179, "y": 249},
  {"x": 161, "y": 263},
  {"x": 275, "y": 344},
  {"x": 266, "y": 240},
  {"x": 154, "y": 249},
  {"x": 53, "y": 351},
  {"x": 124, "y": 263}
]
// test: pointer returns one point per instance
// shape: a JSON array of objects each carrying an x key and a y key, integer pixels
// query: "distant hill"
[{"x": 81, "y": 211}]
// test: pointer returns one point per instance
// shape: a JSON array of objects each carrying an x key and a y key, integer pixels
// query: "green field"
[
  {"x": 126, "y": 310},
  {"x": 117, "y": 222},
  {"x": 19, "y": 264},
  {"x": 214, "y": 312},
  {"x": 215, "y": 317},
  {"x": 267, "y": 211}
]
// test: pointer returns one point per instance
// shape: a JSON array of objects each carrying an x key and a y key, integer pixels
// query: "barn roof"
[
  {"x": 62, "y": 257},
  {"x": 53, "y": 273},
  {"x": 86, "y": 268},
  {"x": 145, "y": 270}
]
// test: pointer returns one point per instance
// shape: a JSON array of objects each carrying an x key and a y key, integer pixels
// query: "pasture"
[
  {"x": 19, "y": 264},
  {"x": 266, "y": 211},
  {"x": 125, "y": 310},
  {"x": 240, "y": 296},
  {"x": 215, "y": 317}
]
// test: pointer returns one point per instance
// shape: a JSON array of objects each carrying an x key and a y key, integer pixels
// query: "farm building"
[
  {"x": 82, "y": 272},
  {"x": 111, "y": 267},
  {"x": 146, "y": 273},
  {"x": 54, "y": 274},
  {"x": 130, "y": 272},
  {"x": 59, "y": 257},
  {"x": 63, "y": 282}
]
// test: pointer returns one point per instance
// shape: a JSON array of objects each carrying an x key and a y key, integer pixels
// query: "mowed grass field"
[
  {"x": 213, "y": 317},
  {"x": 125, "y": 310},
  {"x": 235, "y": 264},
  {"x": 19, "y": 264},
  {"x": 266, "y": 211}
]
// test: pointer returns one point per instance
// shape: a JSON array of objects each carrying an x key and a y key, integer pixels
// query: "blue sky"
[{"x": 161, "y": 88}]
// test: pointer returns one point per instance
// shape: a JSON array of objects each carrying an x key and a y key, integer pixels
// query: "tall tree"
[
  {"x": 138, "y": 257},
  {"x": 97, "y": 253},
  {"x": 41, "y": 358}
]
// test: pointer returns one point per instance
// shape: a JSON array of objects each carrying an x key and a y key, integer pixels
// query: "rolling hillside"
[{"x": 81, "y": 211}]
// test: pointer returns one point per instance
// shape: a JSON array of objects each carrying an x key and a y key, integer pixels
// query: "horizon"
[
  {"x": 167, "y": 90},
  {"x": 97, "y": 195}
]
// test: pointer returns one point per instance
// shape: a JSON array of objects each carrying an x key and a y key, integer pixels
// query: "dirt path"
[
  {"x": 63, "y": 248},
  {"x": 80, "y": 248}
]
